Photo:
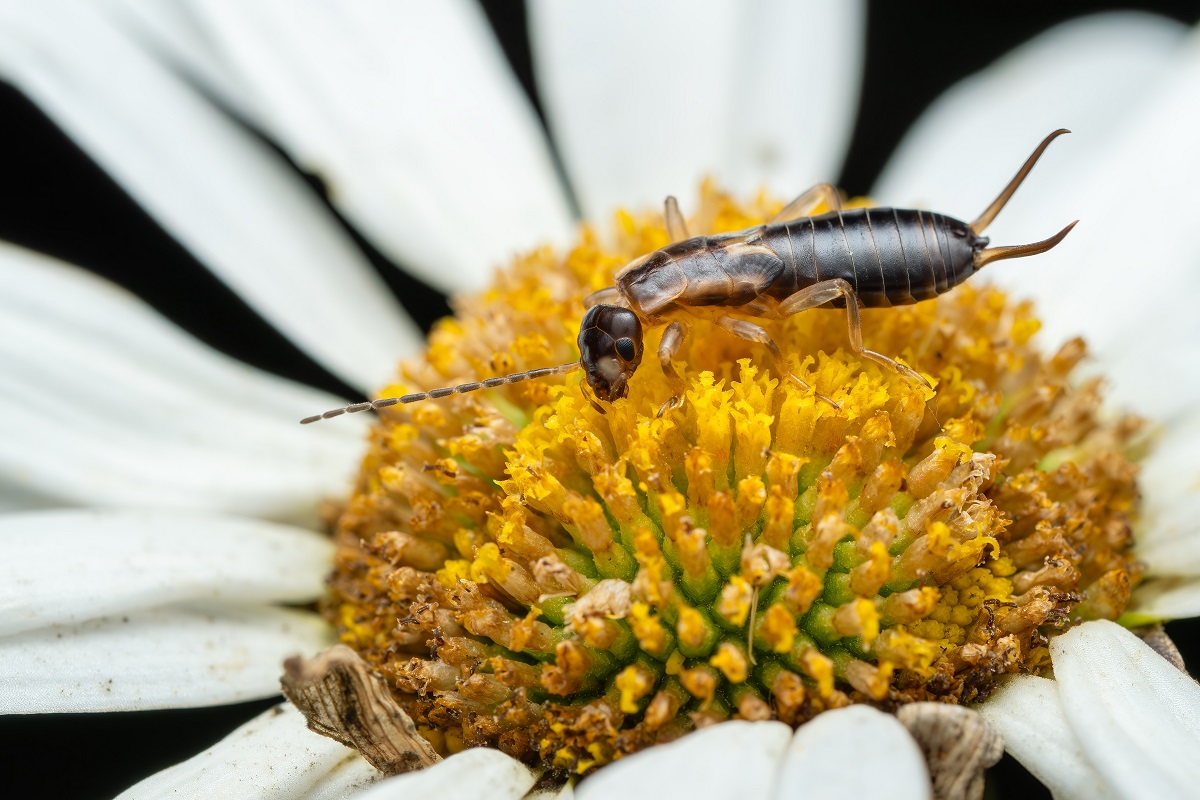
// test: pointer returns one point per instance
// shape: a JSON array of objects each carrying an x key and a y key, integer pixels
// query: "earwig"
[{"x": 862, "y": 257}]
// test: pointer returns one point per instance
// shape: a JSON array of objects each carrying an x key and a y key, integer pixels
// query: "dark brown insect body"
[
  {"x": 888, "y": 256},
  {"x": 869, "y": 257}
]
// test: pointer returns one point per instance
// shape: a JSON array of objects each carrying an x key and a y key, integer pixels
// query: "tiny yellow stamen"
[{"x": 732, "y": 662}]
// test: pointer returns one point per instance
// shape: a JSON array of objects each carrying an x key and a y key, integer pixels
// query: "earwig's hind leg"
[
  {"x": 751, "y": 332},
  {"x": 803, "y": 205},
  {"x": 821, "y": 293},
  {"x": 676, "y": 225},
  {"x": 672, "y": 338},
  {"x": 607, "y": 296}
]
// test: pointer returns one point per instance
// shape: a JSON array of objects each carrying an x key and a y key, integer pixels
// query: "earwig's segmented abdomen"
[{"x": 890, "y": 256}]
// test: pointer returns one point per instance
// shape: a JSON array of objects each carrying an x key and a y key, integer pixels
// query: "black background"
[{"x": 54, "y": 199}]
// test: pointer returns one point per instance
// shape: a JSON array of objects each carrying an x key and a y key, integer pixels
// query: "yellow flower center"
[{"x": 572, "y": 586}]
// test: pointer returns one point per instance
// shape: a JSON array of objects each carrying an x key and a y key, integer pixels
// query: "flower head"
[{"x": 572, "y": 583}]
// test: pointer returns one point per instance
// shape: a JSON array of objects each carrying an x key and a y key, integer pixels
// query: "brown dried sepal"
[
  {"x": 1156, "y": 636},
  {"x": 958, "y": 746},
  {"x": 343, "y": 699}
]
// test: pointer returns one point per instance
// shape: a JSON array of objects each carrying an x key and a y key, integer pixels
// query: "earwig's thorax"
[
  {"x": 610, "y": 349},
  {"x": 653, "y": 283}
]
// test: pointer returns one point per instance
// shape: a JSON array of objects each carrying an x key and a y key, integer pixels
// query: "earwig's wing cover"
[
  {"x": 750, "y": 268},
  {"x": 632, "y": 265}
]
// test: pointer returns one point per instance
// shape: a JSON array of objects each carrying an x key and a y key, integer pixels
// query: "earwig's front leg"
[
  {"x": 751, "y": 332},
  {"x": 605, "y": 297},
  {"x": 826, "y": 291},
  {"x": 803, "y": 205},
  {"x": 672, "y": 338}
]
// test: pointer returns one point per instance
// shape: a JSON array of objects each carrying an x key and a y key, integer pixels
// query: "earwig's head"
[{"x": 610, "y": 349}]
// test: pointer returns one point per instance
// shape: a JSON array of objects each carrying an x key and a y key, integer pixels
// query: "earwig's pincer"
[{"x": 863, "y": 257}]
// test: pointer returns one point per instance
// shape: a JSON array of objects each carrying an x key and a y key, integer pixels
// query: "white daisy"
[{"x": 181, "y": 493}]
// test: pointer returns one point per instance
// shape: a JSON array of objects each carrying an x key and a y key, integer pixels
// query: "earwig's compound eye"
[{"x": 625, "y": 348}]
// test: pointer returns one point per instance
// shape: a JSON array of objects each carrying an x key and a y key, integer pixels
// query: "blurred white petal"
[
  {"x": 1176, "y": 556},
  {"x": 14, "y": 499},
  {"x": 66, "y": 567},
  {"x": 1134, "y": 152},
  {"x": 106, "y": 403},
  {"x": 1137, "y": 716},
  {"x": 853, "y": 752},
  {"x": 274, "y": 756},
  {"x": 1090, "y": 75},
  {"x": 753, "y": 93},
  {"x": 226, "y": 196},
  {"x": 1028, "y": 714},
  {"x": 171, "y": 30},
  {"x": 1165, "y": 598},
  {"x": 471, "y": 774},
  {"x": 409, "y": 112},
  {"x": 179, "y": 657},
  {"x": 1170, "y": 515},
  {"x": 732, "y": 759}
]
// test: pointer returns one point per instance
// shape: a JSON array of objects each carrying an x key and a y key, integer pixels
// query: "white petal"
[
  {"x": 1135, "y": 150},
  {"x": 1176, "y": 556},
  {"x": 273, "y": 756},
  {"x": 172, "y": 32},
  {"x": 645, "y": 99},
  {"x": 223, "y": 194},
  {"x": 854, "y": 752},
  {"x": 1137, "y": 716},
  {"x": 564, "y": 792},
  {"x": 105, "y": 403},
  {"x": 1089, "y": 75},
  {"x": 347, "y": 779},
  {"x": 66, "y": 567},
  {"x": 472, "y": 774},
  {"x": 14, "y": 499},
  {"x": 1164, "y": 598},
  {"x": 179, "y": 657},
  {"x": 1028, "y": 714},
  {"x": 408, "y": 110},
  {"x": 1169, "y": 531},
  {"x": 731, "y": 759}
]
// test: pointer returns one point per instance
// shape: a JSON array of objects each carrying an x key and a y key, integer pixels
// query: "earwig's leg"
[
  {"x": 751, "y": 332},
  {"x": 588, "y": 396},
  {"x": 803, "y": 205},
  {"x": 676, "y": 225},
  {"x": 607, "y": 296},
  {"x": 672, "y": 338},
  {"x": 826, "y": 291}
]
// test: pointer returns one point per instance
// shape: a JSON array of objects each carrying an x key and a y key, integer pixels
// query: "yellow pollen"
[
  {"x": 650, "y": 633},
  {"x": 732, "y": 662},
  {"x": 634, "y": 683},
  {"x": 691, "y": 628},
  {"x": 779, "y": 628},
  {"x": 735, "y": 600}
]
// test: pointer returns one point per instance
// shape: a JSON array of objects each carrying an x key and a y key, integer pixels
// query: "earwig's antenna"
[
  {"x": 1020, "y": 250},
  {"x": 990, "y": 213},
  {"x": 434, "y": 394}
]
